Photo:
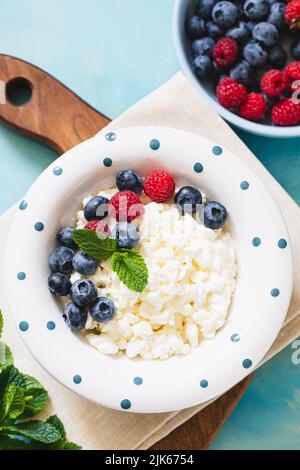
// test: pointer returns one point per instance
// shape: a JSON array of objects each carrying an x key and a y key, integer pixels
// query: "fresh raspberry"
[
  {"x": 254, "y": 107},
  {"x": 125, "y": 206},
  {"x": 225, "y": 51},
  {"x": 230, "y": 93},
  {"x": 292, "y": 14},
  {"x": 98, "y": 226},
  {"x": 159, "y": 186},
  {"x": 274, "y": 83},
  {"x": 286, "y": 113}
]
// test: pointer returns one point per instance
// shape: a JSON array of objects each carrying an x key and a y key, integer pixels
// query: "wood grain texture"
[
  {"x": 198, "y": 432},
  {"x": 60, "y": 119},
  {"x": 54, "y": 115}
]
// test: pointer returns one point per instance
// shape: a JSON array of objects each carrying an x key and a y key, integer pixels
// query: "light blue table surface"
[{"x": 113, "y": 52}]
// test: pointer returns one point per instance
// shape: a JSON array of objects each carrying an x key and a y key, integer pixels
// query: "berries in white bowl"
[
  {"x": 253, "y": 43},
  {"x": 109, "y": 248}
]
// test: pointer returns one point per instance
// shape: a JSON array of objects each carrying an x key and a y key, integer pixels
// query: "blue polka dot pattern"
[
  {"x": 247, "y": 363},
  {"x": 138, "y": 380},
  {"x": 39, "y": 226},
  {"x": 110, "y": 136},
  {"x": 77, "y": 379},
  {"x": 198, "y": 167},
  {"x": 256, "y": 241},
  {"x": 203, "y": 383},
  {"x": 235, "y": 337},
  {"x": 23, "y": 205},
  {"x": 275, "y": 292},
  {"x": 125, "y": 404},
  {"x": 21, "y": 276},
  {"x": 51, "y": 325},
  {"x": 154, "y": 144},
  {"x": 57, "y": 171},
  {"x": 24, "y": 326},
  {"x": 282, "y": 243},
  {"x": 217, "y": 150},
  {"x": 244, "y": 185},
  {"x": 107, "y": 162}
]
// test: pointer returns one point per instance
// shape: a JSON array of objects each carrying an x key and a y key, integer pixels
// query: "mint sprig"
[
  {"x": 22, "y": 397},
  {"x": 129, "y": 265}
]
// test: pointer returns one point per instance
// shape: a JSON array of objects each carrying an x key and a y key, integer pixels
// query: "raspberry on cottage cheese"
[{"x": 192, "y": 272}]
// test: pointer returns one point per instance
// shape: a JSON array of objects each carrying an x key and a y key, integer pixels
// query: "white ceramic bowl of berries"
[
  {"x": 244, "y": 57},
  {"x": 180, "y": 309}
]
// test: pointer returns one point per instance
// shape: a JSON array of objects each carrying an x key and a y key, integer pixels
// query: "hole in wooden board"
[{"x": 18, "y": 91}]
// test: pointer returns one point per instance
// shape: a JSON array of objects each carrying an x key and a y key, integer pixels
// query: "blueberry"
[
  {"x": 75, "y": 317},
  {"x": 126, "y": 234},
  {"x": 250, "y": 25},
  {"x": 255, "y": 54},
  {"x": 213, "y": 30},
  {"x": 96, "y": 208},
  {"x": 213, "y": 215},
  {"x": 59, "y": 284},
  {"x": 187, "y": 199},
  {"x": 265, "y": 33},
  {"x": 256, "y": 9},
  {"x": 64, "y": 237},
  {"x": 83, "y": 264},
  {"x": 195, "y": 27},
  {"x": 225, "y": 14},
  {"x": 103, "y": 310},
  {"x": 295, "y": 49},
  {"x": 83, "y": 292},
  {"x": 278, "y": 56},
  {"x": 60, "y": 260},
  {"x": 203, "y": 46},
  {"x": 276, "y": 15},
  {"x": 204, "y": 8},
  {"x": 203, "y": 66},
  {"x": 242, "y": 72},
  {"x": 240, "y": 32},
  {"x": 129, "y": 180}
]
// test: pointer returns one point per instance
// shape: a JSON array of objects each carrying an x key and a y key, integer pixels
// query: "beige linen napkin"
[{"x": 175, "y": 104}]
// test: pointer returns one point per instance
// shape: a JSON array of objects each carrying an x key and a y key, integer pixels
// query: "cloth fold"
[{"x": 176, "y": 104}]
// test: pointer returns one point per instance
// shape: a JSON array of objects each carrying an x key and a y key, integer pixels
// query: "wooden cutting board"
[{"x": 39, "y": 106}]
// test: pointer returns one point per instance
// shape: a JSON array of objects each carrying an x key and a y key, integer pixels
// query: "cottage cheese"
[{"x": 192, "y": 271}]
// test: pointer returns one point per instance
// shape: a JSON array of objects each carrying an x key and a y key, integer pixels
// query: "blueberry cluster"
[
  {"x": 84, "y": 294},
  {"x": 66, "y": 258},
  {"x": 257, "y": 26}
]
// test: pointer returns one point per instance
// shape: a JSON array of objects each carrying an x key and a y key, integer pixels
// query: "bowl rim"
[{"x": 250, "y": 126}]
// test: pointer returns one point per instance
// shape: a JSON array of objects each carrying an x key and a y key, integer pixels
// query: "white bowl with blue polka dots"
[{"x": 259, "y": 304}]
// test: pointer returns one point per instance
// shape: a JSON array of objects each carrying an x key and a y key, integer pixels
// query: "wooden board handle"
[{"x": 53, "y": 114}]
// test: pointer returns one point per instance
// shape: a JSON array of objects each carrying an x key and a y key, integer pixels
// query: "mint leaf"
[
  {"x": 16, "y": 443},
  {"x": 36, "y": 430},
  {"x": 35, "y": 395},
  {"x": 6, "y": 357},
  {"x": 10, "y": 375},
  {"x": 131, "y": 269},
  {"x": 95, "y": 247}
]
